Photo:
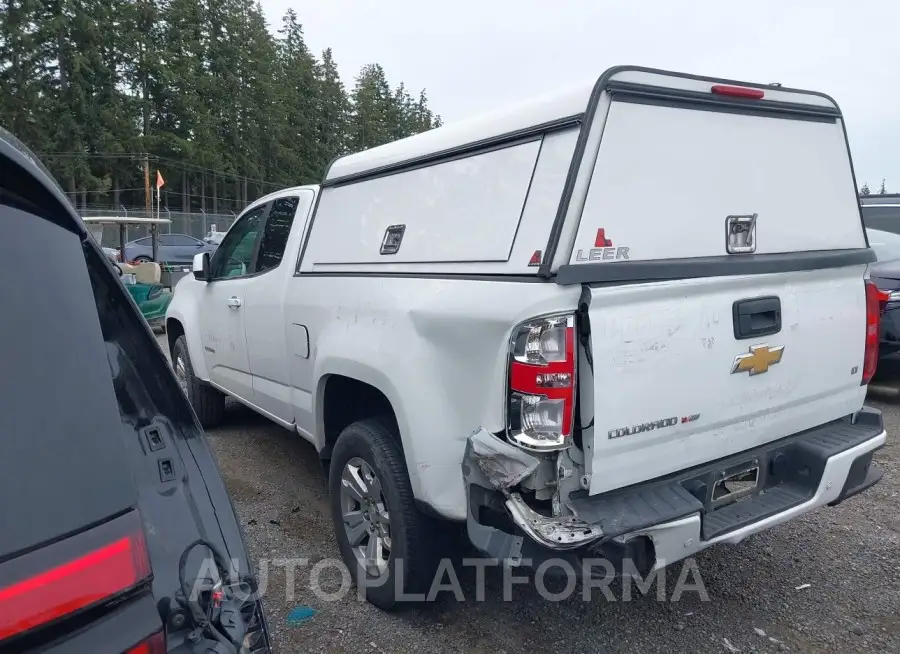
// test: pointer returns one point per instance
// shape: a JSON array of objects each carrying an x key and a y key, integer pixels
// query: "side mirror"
[{"x": 200, "y": 267}]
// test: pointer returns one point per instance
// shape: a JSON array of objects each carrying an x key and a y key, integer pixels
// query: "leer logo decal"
[
  {"x": 603, "y": 250},
  {"x": 758, "y": 360}
]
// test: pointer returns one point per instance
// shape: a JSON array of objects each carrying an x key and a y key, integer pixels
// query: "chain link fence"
[{"x": 195, "y": 224}]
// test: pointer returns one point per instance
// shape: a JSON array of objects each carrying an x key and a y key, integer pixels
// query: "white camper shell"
[
  {"x": 617, "y": 288},
  {"x": 483, "y": 195}
]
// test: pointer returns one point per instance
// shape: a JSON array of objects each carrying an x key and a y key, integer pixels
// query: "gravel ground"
[{"x": 843, "y": 560}]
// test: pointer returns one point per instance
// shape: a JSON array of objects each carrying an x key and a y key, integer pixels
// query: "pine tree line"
[{"x": 225, "y": 109}]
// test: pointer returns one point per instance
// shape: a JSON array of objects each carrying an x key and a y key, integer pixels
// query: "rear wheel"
[
  {"x": 385, "y": 541},
  {"x": 142, "y": 259},
  {"x": 208, "y": 402}
]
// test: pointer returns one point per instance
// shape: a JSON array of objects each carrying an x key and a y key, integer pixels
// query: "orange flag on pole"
[{"x": 160, "y": 182}]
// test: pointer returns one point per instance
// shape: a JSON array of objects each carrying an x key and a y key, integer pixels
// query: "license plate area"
[{"x": 736, "y": 483}]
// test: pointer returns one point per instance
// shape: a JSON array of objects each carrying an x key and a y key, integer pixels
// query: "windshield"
[{"x": 885, "y": 244}]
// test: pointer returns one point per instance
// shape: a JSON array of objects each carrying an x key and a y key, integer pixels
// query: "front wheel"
[
  {"x": 142, "y": 259},
  {"x": 208, "y": 402},
  {"x": 385, "y": 541}
]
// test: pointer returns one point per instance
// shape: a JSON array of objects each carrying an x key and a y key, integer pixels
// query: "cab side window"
[
  {"x": 276, "y": 232},
  {"x": 234, "y": 257}
]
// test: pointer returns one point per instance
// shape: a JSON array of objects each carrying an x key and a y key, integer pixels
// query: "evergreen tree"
[
  {"x": 23, "y": 72},
  {"x": 373, "y": 117},
  {"x": 298, "y": 150},
  {"x": 199, "y": 89},
  {"x": 333, "y": 110}
]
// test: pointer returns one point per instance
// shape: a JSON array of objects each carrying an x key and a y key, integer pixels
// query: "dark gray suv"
[{"x": 173, "y": 248}]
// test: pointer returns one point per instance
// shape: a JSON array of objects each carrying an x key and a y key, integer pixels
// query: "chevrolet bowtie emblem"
[{"x": 758, "y": 360}]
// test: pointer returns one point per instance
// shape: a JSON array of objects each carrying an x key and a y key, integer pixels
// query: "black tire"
[
  {"x": 208, "y": 402},
  {"x": 142, "y": 259},
  {"x": 412, "y": 544}
]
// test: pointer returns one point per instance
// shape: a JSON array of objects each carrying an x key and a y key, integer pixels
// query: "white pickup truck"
[{"x": 602, "y": 323}]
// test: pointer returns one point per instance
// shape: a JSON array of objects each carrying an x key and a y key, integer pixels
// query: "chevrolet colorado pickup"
[{"x": 598, "y": 324}]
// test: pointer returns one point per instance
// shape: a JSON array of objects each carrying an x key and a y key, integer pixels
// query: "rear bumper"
[{"x": 668, "y": 519}]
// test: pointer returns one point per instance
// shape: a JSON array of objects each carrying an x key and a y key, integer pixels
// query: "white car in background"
[{"x": 214, "y": 238}]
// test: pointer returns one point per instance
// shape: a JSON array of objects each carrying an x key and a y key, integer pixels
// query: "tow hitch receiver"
[{"x": 735, "y": 484}]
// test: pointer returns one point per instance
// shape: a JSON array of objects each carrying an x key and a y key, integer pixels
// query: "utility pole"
[
  {"x": 147, "y": 196},
  {"x": 148, "y": 199}
]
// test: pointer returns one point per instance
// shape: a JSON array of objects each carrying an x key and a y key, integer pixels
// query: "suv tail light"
[
  {"x": 541, "y": 394},
  {"x": 73, "y": 585},
  {"x": 874, "y": 303},
  {"x": 155, "y": 644}
]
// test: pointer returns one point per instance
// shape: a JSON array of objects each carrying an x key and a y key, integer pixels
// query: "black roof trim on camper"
[{"x": 716, "y": 266}]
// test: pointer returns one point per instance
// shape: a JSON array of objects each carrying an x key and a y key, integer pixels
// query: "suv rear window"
[{"x": 63, "y": 464}]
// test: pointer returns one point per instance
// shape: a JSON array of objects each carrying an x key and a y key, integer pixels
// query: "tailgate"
[
  {"x": 722, "y": 245},
  {"x": 665, "y": 396}
]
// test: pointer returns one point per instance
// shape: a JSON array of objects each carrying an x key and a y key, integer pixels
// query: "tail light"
[
  {"x": 156, "y": 644},
  {"x": 541, "y": 394},
  {"x": 874, "y": 303},
  {"x": 75, "y": 584}
]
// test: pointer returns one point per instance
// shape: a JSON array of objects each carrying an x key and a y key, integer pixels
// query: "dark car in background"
[
  {"x": 885, "y": 272},
  {"x": 173, "y": 248},
  {"x": 117, "y": 533},
  {"x": 881, "y": 212}
]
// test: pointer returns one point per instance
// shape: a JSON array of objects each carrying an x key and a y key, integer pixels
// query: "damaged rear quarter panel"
[{"x": 437, "y": 349}]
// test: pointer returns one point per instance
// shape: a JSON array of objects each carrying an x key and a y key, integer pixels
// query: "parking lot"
[{"x": 828, "y": 582}]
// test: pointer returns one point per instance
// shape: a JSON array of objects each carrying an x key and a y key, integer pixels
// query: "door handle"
[
  {"x": 756, "y": 317},
  {"x": 233, "y": 302}
]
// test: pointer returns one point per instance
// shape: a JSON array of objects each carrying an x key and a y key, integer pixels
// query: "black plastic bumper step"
[
  {"x": 731, "y": 517},
  {"x": 623, "y": 513}
]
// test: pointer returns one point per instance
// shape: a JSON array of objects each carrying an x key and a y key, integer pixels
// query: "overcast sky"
[{"x": 476, "y": 55}]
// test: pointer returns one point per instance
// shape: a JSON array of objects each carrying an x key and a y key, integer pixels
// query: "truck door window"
[
  {"x": 276, "y": 232},
  {"x": 234, "y": 258}
]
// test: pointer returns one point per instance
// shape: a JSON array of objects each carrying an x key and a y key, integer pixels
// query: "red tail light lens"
[
  {"x": 541, "y": 395},
  {"x": 874, "y": 304},
  {"x": 74, "y": 585},
  {"x": 156, "y": 644}
]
